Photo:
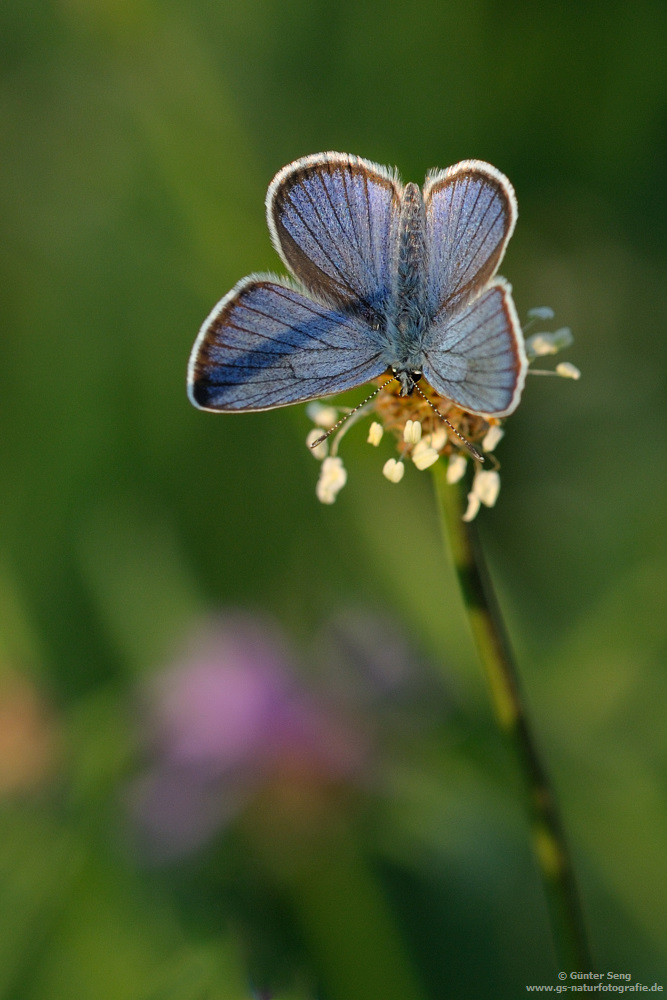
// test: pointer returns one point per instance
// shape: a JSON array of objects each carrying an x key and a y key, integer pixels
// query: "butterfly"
[{"x": 386, "y": 278}]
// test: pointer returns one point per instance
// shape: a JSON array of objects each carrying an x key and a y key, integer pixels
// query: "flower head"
[
  {"x": 426, "y": 427},
  {"x": 228, "y": 717}
]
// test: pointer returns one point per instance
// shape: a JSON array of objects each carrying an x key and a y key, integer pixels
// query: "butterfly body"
[
  {"x": 407, "y": 317},
  {"x": 388, "y": 278}
]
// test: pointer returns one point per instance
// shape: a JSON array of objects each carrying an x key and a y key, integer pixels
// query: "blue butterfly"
[{"x": 388, "y": 279}]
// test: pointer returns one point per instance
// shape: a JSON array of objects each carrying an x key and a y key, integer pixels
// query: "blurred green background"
[{"x": 138, "y": 140}]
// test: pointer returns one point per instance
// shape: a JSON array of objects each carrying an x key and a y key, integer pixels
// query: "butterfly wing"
[
  {"x": 476, "y": 356},
  {"x": 266, "y": 344},
  {"x": 333, "y": 220},
  {"x": 471, "y": 212}
]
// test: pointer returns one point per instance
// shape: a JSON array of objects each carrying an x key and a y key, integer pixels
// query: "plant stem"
[{"x": 486, "y": 622}]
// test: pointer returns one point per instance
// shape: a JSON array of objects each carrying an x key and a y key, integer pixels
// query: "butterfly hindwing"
[{"x": 476, "y": 357}]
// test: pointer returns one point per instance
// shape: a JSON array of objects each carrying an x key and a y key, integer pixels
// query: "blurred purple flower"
[{"x": 226, "y": 718}]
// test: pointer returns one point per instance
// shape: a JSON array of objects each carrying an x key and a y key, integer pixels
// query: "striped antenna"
[
  {"x": 473, "y": 451},
  {"x": 346, "y": 416}
]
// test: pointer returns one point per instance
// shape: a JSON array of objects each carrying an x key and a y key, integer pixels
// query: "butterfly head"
[{"x": 407, "y": 380}]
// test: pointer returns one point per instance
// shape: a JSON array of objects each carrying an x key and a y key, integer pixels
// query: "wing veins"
[
  {"x": 326, "y": 380},
  {"x": 474, "y": 206},
  {"x": 371, "y": 239},
  {"x": 449, "y": 238},
  {"x": 351, "y": 213},
  {"x": 271, "y": 337},
  {"x": 467, "y": 380},
  {"x": 335, "y": 266},
  {"x": 462, "y": 199},
  {"x": 304, "y": 304},
  {"x": 286, "y": 324},
  {"x": 466, "y": 333},
  {"x": 474, "y": 235},
  {"x": 281, "y": 354}
]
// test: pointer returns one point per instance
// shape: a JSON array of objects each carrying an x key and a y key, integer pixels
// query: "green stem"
[{"x": 548, "y": 838}]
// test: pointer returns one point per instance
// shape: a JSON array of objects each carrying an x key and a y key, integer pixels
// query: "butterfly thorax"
[{"x": 406, "y": 315}]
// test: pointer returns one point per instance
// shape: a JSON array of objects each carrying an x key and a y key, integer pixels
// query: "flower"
[
  {"x": 420, "y": 433},
  {"x": 229, "y": 724},
  {"x": 221, "y": 722},
  {"x": 426, "y": 426}
]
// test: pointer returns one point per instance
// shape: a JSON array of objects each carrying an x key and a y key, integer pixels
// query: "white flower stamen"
[
  {"x": 541, "y": 344},
  {"x": 492, "y": 437},
  {"x": 438, "y": 438},
  {"x": 423, "y": 455},
  {"x": 541, "y": 312},
  {"x": 333, "y": 477},
  {"x": 456, "y": 468},
  {"x": 485, "y": 490},
  {"x": 393, "y": 470},
  {"x": 472, "y": 510},
  {"x": 412, "y": 432},
  {"x": 375, "y": 432},
  {"x": 568, "y": 370},
  {"x": 322, "y": 415},
  {"x": 486, "y": 485}
]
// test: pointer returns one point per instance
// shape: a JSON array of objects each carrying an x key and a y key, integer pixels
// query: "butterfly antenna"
[
  {"x": 473, "y": 451},
  {"x": 347, "y": 416}
]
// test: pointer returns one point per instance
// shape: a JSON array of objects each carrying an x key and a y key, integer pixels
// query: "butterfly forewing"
[
  {"x": 470, "y": 215},
  {"x": 476, "y": 357},
  {"x": 333, "y": 219},
  {"x": 266, "y": 344}
]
